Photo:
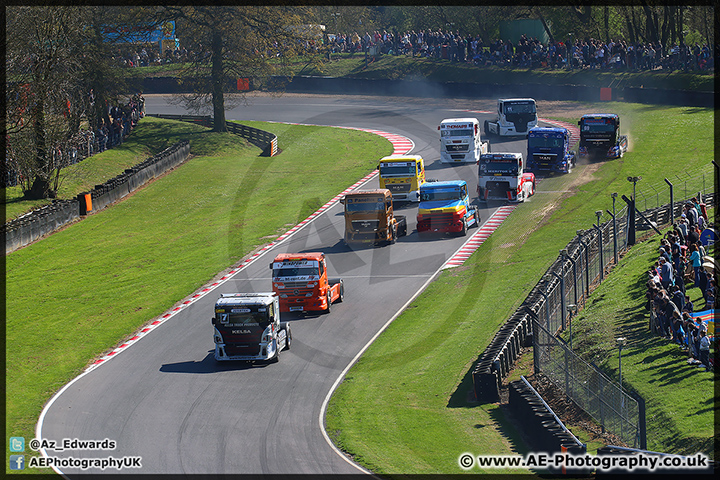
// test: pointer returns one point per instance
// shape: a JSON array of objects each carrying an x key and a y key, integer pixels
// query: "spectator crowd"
[
  {"x": 684, "y": 264},
  {"x": 529, "y": 52},
  {"x": 87, "y": 142}
]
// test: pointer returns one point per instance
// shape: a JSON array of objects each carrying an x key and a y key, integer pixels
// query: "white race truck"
[
  {"x": 248, "y": 327},
  {"x": 515, "y": 116},
  {"x": 460, "y": 140},
  {"x": 501, "y": 177}
]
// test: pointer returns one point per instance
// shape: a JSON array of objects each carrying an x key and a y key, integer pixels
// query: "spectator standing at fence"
[
  {"x": 667, "y": 278},
  {"x": 696, "y": 263},
  {"x": 692, "y": 214},
  {"x": 704, "y": 350}
]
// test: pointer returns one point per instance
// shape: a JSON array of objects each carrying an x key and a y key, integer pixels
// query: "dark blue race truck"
[
  {"x": 549, "y": 150},
  {"x": 600, "y": 136}
]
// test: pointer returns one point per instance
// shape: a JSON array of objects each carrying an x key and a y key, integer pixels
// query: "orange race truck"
[
  {"x": 301, "y": 281},
  {"x": 369, "y": 217}
]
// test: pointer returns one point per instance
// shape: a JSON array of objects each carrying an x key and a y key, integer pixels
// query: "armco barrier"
[
  {"x": 267, "y": 141},
  {"x": 47, "y": 219},
  {"x": 361, "y": 86}
]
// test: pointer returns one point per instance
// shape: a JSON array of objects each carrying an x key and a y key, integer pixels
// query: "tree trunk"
[
  {"x": 218, "y": 99},
  {"x": 40, "y": 187}
]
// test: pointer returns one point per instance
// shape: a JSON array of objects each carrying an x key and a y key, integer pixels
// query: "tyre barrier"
[
  {"x": 38, "y": 223},
  {"x": 543, "y": 429},
  {"x": 120, "y": 186},
  {"x": 49, "y": 218}
]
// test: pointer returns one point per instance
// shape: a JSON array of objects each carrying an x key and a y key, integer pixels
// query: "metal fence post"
[
  {"x": 579, "y": 233},
  {"x": 672, "y": 202}
]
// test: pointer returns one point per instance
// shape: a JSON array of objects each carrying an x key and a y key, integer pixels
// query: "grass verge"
[
  {"x": 405, "y": 406},
  {"x": 97, "y": 281}
]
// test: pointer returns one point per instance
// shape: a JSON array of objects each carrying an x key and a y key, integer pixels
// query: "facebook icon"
[{"x": 17, "y": 462}]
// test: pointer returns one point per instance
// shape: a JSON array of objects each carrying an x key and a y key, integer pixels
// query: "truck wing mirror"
[
  {"x": 342, "y": 201},
  {"x": 212, "y": 320},
  {"x": 271, "y": 266}
]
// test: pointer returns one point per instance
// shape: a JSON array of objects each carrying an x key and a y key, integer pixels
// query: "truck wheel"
[
  {"x": 477, "y": 219},
  {"x": 487, "y": 129},
  {"x": 481, "y": 194},
  {"x": 329, "y": 301},
  {"x": 276, "y": 358},
  {"x": 463, "y": 232},
  {"x": 402, "y": 225},
  {"x": 288, "y": 337},
  {"x": 341, "y": 292},
  {"x": 393, "y": 234}
]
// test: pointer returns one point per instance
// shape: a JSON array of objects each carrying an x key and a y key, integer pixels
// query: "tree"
[
  {"x": 56, "y": 56},
  {"x": 43, "y": 65},
  {"x": 231, "y": 42}
]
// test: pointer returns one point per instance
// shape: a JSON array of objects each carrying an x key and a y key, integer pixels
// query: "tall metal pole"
[
  {"x": 615, "y": 248},
  {"x": 672, "y": 203}
]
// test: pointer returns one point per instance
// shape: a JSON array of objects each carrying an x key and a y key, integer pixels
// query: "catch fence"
[{"x": 565, "y": 288}]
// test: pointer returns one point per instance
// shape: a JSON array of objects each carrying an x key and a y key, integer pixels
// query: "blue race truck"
[
  {"x": 549, "y": 150},
  {"x": 600, "y": 136},
  {"x": 445, "y": 207}
]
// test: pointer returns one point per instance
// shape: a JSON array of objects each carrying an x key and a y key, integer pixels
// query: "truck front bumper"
[
  {"x": 229, "y": 352},
  {"x": 439, "y": 224}
]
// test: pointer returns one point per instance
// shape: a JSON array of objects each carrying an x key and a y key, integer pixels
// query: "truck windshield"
[
  {"x": 459, "y": 132},
  {"x": 520, "y": 107},
  {"x": 439, "y": 195},
  {"x": 365, "y": 207},
  {"x": 295, "y": 272},
  {"x": 244, "y": 317},
  {"x": 545, "y": 142},
  {"x": 405, "y": 169},
  {"x": 598, "y": 127}
]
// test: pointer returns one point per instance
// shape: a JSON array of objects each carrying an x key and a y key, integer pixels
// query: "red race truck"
[{"x": 301, "y": 281}]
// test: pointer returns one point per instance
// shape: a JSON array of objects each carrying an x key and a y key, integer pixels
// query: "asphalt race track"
[{"x": 165, "y": 399}]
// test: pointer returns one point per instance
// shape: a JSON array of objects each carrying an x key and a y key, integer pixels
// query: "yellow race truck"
[{"x": 402, "y": 175}]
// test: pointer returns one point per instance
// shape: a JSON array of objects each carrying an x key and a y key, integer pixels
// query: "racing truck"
[
  {"x": 301, "y": 281},
  {"x": 515, "y": 116},
  {"x": 369, "y": 217},
  {"x": 600, "y": 136},
  {"x": 460, "y": 140},
  {"x": 445, "y": 207},
  {"x": 501, "y": 177},
  {"x": 402, "y": 175},
  {"x": 549, "y": 150},
  {"x": 248, "y": 327}
]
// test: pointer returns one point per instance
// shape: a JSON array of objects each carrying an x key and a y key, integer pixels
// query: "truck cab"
[
  {"x": 600, "y": 136},
  {"x": 369, "y": 217},
  {"x": 247, "y": 327},
  {"x": 402, "y": 175},
  {"x": 549, "y": 150},
  {"x": 445, "y": 207},
  {"x": 515, "y": 116},
  {"x": 501, "y": 177},
  {"x": 460, "y": 140},
  {"x": 301, "y": 282}
]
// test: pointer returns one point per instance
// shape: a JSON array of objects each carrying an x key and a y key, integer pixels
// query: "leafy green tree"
[{"x": 231, "y": 42}]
